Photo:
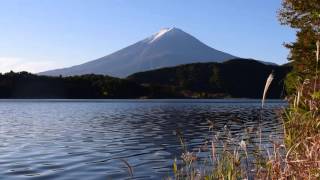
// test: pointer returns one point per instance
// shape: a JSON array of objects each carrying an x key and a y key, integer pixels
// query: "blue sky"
[{"x": 38, "y": 35}]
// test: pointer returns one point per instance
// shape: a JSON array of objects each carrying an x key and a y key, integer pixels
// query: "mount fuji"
[{"x": 169, "y": 47}]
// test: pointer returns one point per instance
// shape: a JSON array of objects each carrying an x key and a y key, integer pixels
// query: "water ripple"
[{"x": 90, "y": 139}]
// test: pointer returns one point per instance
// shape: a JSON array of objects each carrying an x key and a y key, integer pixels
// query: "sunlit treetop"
[{"x": 301, "y": 14}]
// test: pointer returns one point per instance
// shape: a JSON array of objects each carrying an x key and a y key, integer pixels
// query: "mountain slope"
[{"x": 169, "y": 47}]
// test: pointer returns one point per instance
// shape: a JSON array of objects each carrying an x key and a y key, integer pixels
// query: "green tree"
[{"x": 304, "y": 16}]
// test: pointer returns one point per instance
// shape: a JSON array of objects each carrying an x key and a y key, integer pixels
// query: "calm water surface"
[{"x": 59, "y": 139}]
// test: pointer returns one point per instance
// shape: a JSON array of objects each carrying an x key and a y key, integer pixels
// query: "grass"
[
  {"x": 302, "y": 129},
  {"x": 296, "y": 157},
  {"x": 229, "y": 158}
]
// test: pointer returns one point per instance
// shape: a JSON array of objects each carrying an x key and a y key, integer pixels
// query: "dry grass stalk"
[{"x": 266, "y": 87}]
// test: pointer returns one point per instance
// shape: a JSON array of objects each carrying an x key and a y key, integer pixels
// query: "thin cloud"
[{"x": 20, "y": 64}]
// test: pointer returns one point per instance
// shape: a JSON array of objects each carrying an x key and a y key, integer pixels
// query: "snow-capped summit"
[
  {"x": 159, "y": 34},
  {"x": 168, "y": 47}
]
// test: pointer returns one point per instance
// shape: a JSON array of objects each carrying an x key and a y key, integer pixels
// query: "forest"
[{"x": 238, "y": 78}]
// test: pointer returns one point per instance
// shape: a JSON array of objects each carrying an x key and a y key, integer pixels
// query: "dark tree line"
[
  {"x": 26, "y": 85},
  {"x": 236, "y": 78}
]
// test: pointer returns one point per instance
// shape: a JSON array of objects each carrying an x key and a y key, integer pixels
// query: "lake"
[{"x": 91, "y": 139}]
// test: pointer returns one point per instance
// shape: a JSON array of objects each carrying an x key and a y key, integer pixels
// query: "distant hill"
[
  {"x": 169, "y": 47},
  {"x": 237, "y": 78}
]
